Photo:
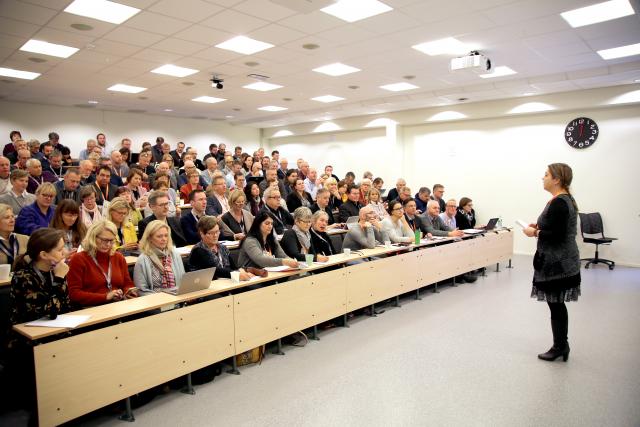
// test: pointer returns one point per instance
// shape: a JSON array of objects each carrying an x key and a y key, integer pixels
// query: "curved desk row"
[{"x": 78, "y": 374}]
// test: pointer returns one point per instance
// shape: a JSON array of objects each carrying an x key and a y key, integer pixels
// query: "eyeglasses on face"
[{"x": 105, "y": 241}]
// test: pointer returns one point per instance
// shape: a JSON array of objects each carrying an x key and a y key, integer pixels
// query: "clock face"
[{"x": 581, "y": 132}]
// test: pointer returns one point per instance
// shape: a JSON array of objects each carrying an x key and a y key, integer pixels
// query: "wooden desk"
[{"x": 81, "y": 373}]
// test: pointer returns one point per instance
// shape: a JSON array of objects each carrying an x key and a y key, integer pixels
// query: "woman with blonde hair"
[
  {"x": 373, "y": 200},
  {"x": 237, "y": 221},
  {"x": 135, "y": 216},
  {"x": 99, "y": 274},
  {"x": 38, "y": 214},
  {"x": 12, "y": 244},
  {"x": 159, "y": 265},
  {"x": 118, "y": 213}
]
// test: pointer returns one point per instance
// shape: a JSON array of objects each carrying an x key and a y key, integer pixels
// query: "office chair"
[{"x": 591, "y": 223}]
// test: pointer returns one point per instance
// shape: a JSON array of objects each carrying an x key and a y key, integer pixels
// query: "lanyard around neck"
[{"x": 107, "y": 275}]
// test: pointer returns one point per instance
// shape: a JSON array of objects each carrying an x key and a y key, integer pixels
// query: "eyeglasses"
[
  {"x": 105, "y": 241},
  {"x": 48, "y": 196},
  {"x": 162, "y": 205},
  {"x": 275, "y": 197},
  {"x": 120, "y": 212},
  {"x": 213, "y": 232},
  {"x": 399, "y": 208}
]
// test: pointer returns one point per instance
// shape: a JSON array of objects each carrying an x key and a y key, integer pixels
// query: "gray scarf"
[{"x": 304, "y": 238}]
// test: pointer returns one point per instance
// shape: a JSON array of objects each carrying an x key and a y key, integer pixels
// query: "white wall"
[
  {"x": 76, "y": 125},
  {"x": 499, "y": 162}
]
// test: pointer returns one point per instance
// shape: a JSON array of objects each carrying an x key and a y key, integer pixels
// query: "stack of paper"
[{"x": 62, "y": 321}]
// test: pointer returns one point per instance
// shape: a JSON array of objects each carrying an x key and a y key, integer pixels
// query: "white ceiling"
[{"x": 528, "y": 36}]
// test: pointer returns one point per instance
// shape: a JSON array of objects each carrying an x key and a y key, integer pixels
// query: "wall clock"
[{"x": 581, "y": 133}]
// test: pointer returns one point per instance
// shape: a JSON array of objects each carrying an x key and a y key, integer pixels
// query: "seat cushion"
[{"x": 597, "y": 241}]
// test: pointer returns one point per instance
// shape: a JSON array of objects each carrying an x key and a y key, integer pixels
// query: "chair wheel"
[
  {"x": 611, "y": 267},
  {"x": 586, "y": 266}
]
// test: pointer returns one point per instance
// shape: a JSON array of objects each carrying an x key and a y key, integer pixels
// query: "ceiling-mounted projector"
[{"x": 474, "y": 61}]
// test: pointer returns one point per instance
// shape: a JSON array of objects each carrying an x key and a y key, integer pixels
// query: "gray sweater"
[
  {"x": 435, "y": 226},
  {"x": 143, "y": 272},
  {"x": 19, "y": 202},
  {"x": 252, "y": 255},
  {"x": 357, "y": 238}
]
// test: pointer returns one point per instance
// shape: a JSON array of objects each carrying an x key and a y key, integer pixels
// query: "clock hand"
[{"x": 580, "y": 130}]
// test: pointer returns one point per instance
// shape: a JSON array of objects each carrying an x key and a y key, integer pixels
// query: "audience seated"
[
  {"x": 55, "y": 166},
  {"x": 119, "y": 167},
  {"x": 161, "y": 183},
  {"x": 351, "y": 207},
  {"x": 434, "y": 223},
  {"x": 12, "y": 244},
  {"x": 209, "y": 253},
  {"x": 69, "y": 187},
  {"x": 104, "y": 189},
  {"x": 189, "y": 221},
  {"x": 217, "y": 202},
  {"x": 237, "y": 221},
  {"x": 373, "y": 200},
  {"x": 159, "y": 265},
  {"x": 67, "y": 218},
  {"x": 159, "y": 204},
  {"x": 271, "y": 178},
  {"x": 465, "y": 215},
  {"x": 38, "y": 214},
  {"x": 367, "y": 233},
  {"x": 18, "y": 197},
  {"x": 211, "y": 168},
  {"x": 86, "y": 172},
  {"x": 289, "y": 183},
  {"x": 193, "y": 179},
  {"x": 260, "y": 248},
  {"x": 296, "y": 242},
  {"x": 320, "y": 240},
  {"x": 5, "y": 174},
  {"x": 135, "y": 216},
  {"x": 282, "y": 219},
  {"x": 299, "y": 197},
  {"x": 118, "y": 213},
  {"x": 99, "y": 274},
  {"x": 365, "y": 186},
  {"x": 90, "y": 212},
  {"x": 396, "y": 225},
  {"x": 415, "y": 221},
  {"x": 311, "y": 182},
  {"x": 14, "y": 136},
  {"x": 138, "y": 192},
  {"x": 422, "y": 197},
  {"x": 37, "y": 176},
  {"x": 394, "y": 193}
]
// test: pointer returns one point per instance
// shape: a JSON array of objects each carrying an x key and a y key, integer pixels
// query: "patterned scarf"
[
  {"x": 162, "y": 273},
  {"x": 304, "y": 238}
]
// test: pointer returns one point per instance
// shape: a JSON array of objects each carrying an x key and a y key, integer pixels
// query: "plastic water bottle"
[
  {"x": 499, "y": 223},
  {"x": 417, "y": 237}
]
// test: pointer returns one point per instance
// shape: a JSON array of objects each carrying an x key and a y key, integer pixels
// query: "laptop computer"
[
  {"x": 193, "y": 281},
  {"x": 352, "y": 221},
  {"x": 491, "y": 224}
]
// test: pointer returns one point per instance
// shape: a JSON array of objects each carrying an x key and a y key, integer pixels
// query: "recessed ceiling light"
[
  {"x": 208, "y": 99},
  {"x": 282, "y": 132},
  {"x": 144, "y": 98},
  {"x": 51, "y": 49},
  {"x": 620, "y": 52},
  {"x": 397, "y": 87},
  {"x": 409, "y": 77},
  {"x": 92, "y": 102},
  {"x": 126, "y": 88},
  {"x": 627, "y": 98},
  {"x": 188, "y": 83},
  {"x": 336, "y": 69},
  {"x": 251, "y": 63},
  {"x": 287, "y": 99},
  {"x": 448, "y": 46},
  {"x": 174, "y": 70},
  {"x": 168, "y": 110},
  {"x": 102, "y": 10},
  {"x": 530, "y": 107},
  {"x": 272, "y": 108},
  {"x": 244, "y": 45},
  {"x": 355, "y": 10},
  {"x": 327, "y": 127},
  {"x": 353, "y": 87},
  {"x": 599, "y": 12},
  {"x": 327, "y": 98},
  {"x": 81, "y": 27},
  {"x": 18, "y": 74},
  {"x": 528, "y": 94},
  {"x": 310, "y": 46},
  {"x": 37, "y": 60},
  {"x": 499, "y": 72},
  {"x": 446, "y": 115},
  {"x": 229, "y": 117},
  {"x": 262, "y": 86},
  {"x": 637, "y": 80}
]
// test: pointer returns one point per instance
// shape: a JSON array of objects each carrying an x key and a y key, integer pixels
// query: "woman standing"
[
  {"x": 66, "y": 218},
  {"x": 12, "y": 245},
  {"x": 556, "y": 264},
  {"x": 99, "y": 274},
  {"x": 159, "y": 265}
]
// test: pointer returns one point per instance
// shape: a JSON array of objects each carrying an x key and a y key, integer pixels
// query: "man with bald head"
[
  {"x": 164, "y": 168},
  {"x": 394, "y": 193},
  {"x": 5, "y": 172},
  {"x": 190, "y": 166},
  {"x": 86, "y": 172},
  {"x": 37, "y": 176},
  {"x": 366, "y": 233},
  {"x": 212, "y": 167},
  {"x": 311, "y": 182},
  {"x": 434, "y": 223},
  {"x": 282, "y": 170},
  {"x": 118, "y": 166}
]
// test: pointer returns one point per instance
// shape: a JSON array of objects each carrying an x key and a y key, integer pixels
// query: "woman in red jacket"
[{"x": 99, "y": 274}]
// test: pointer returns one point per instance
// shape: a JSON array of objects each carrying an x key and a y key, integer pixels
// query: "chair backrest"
[{"x": 591, "y": 223}]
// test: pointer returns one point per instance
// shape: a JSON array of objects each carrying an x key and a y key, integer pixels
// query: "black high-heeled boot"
[{"x": 560, "y": 342}]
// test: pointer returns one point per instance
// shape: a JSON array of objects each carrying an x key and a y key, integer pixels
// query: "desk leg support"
[
  {"x": 234, "y": 367},
  {"x": 278, "y": 350},
  {"x": 315, "y": 336},
  {"x": 484, "y": 271},
  {"x": 497, "y": 267},
  {"x": 188, "y": 389},
  {"x": 509, "y": 266},
  {"x": 435, "y": 288},
  {"x": 372, "y": 311},
  {"x": 418, "y": 294},
  {"x": 345, "y": 320},
  {"x": 453, "y": 283},
  {"x": 397, "y": 304},
  {"x": 128, "y": 413}
]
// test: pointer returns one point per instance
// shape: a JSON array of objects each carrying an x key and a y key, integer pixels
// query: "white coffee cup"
[
  {"x": 235, "y": 276},
  {"x": 347, "y": 251},
  {"x": 387, "y": 244},
  {"x": 5, "y": 269}
]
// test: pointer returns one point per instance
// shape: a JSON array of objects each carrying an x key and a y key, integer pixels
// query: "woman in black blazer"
[
  {"x": 465, "y": 216},
  {"x": 297, "y": 242},
  {"x": 298, "y": 197},
  {"x": 320, "y": 240}
]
